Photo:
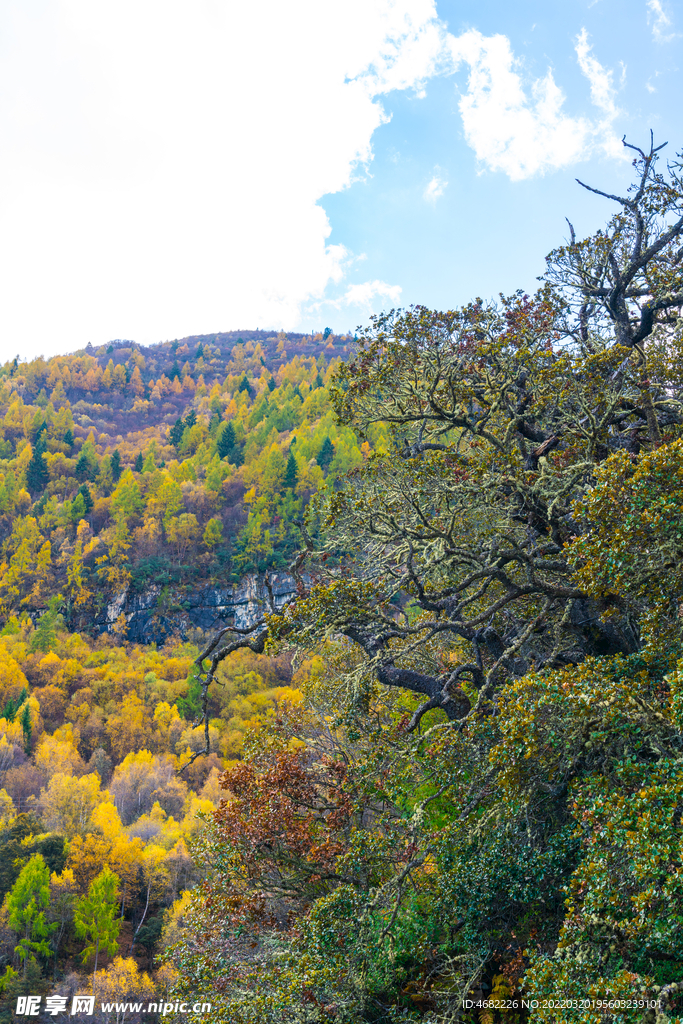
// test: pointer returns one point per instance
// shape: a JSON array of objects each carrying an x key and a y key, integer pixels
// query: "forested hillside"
[
  {"x": 123, "y": 468},
  {"x": 179, "y": 464}
]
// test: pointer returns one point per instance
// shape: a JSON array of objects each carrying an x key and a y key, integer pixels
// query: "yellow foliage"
[
  {"x": 56, "y": 755},
  {"x": 68, "y": 803}
]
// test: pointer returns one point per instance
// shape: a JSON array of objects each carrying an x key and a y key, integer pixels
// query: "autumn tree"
[
  {"x": 27, "y": 904},
  {"x": 95, "y": 917}
]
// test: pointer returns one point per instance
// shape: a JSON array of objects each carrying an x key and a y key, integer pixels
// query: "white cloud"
[
  {"x": 363, "y": 294},
  {"x": 163, "y": 162},
  {"x": 525, "y": 132},
  {"x": 435, "y": 188},
  {"x": 660, "y": 21}
]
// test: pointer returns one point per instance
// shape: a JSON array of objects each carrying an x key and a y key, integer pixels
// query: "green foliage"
[
  {"x": 116, "y": 465},
  {"x": 325, "y": 455},
  {"x": 96, "y": 918},
  {"x": 291, "y": 475},
  {"x": 27, "y": 904},
  {"x": 37, "y": 474},
  {"x": 44, "y": 637}
]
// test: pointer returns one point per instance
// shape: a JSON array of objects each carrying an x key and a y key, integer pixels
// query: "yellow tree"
[
  {"x": 131, "y": 728},
  {"x": 155, "y": 879},
  {"x": 123, "y": 984},
  {"x": 87, "y": 854},
  {"x": 68, "y": 803}
]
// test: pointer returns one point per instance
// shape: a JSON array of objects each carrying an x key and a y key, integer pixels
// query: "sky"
[{"x": 176, "y": 167}]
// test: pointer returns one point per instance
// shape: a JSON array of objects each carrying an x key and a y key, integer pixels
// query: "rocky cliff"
[{"x": 158, "y": 612}]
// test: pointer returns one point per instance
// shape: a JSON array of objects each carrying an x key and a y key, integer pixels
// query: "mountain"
[{"x": 155, "y": 476}]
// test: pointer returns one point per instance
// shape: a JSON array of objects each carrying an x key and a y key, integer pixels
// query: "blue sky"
[
  {"x": 488, "y": 232},
  {"x": 186, "y": 166}
]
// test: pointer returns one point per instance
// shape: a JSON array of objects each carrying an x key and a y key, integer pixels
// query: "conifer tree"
[
  {"x": 175, "y": 434},
  {"x": 190, "y": 419},
  {"x": 44, "y": 636},
  {"x": 325, "y": 455},
  {"x": 271, "y": 384},
  {"x": 96, "y": 919},
  {"x": 116, "y": 465},
  {"x": 27, "y": 728},
  {"x": 291, "y": 475},
  {"x": 138, "y": 463},
  {"x": 26, "y": 906},
  {"x": 84, "y": 491},
  {"x": 226, "y": 441},
  {"x": 37, "y": 475},
  {"x": 82, "y": 467},
  {"x": 69, "y": 439}
]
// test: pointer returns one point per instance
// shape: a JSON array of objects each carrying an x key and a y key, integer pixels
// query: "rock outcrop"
[{"x": 160, "y": 612}]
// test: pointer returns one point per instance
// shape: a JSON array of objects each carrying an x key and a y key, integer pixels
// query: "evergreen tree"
[
  {"x": 245, "y": 386},
  {"x": 291, "y": 473},
  {"x": 26, "y": 906},
  {"x": 44, "y": 636},
  {"x": 138, "y": 463},
  {"x": 116, "y": 466},
  {"x": 37, "y": 475},
  {"x": 226, "y": 441},
  {"x": 200, "y": 351},
  {"x": 175, "y": 434},
  {"x": 325, "y": 455},
  {"x": 27, "y": 728},
  {"x": 318, "y": 382},
  {"x": 69, "y": 439},
  {"x": 82, "y": 467},
  {"x": 77, "y": 511},
  {"x": 175, "y": 371},
  {"x": 190, "y": 419},
  {"x": 96, "y": 918},
  {"x": 271, "y": 384},
  {"x": 84, "y": 492}
]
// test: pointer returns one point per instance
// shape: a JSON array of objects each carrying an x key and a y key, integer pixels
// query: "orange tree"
[{"x": 508, "y": 567}]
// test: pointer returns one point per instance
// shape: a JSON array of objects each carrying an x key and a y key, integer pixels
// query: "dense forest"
[{"x": 441, "y": 778}]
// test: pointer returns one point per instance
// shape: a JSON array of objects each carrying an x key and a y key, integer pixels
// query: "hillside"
[
  {"x": 176, "y": 467},
  {"x": 139, "y": 489}
]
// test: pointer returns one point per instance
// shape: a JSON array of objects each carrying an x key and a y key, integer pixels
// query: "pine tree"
[
  {"x": 226, "y": 441},
  {"x": 245, "y": 386},
  {"x": 37, "y": 475},
  {"x": 190, "y": 419},
  {"x": 175, "y": 434},
  {"x": 27, "y": 728},
  {"x": 138, "y": 463},
  {"x": 26, "y": 906},
  {"x": 325, "y": 455},
  {"x": 271, "y": 384},
  {"x": 44, "y": 637},
  {"x": 69, "y": 439},
  {"x": 175, "y": 371},
  {"x": 96, "y": 919},
  {"x": 82, "y": 467},
  {"x": 84, "y": 491},
  {"x": 291, "y": 473},
  {"x": 116, "y": 466},
  {"x": 318, "y": 382}
]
